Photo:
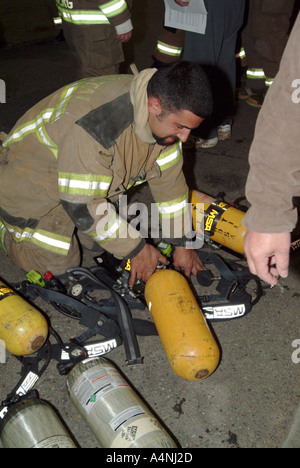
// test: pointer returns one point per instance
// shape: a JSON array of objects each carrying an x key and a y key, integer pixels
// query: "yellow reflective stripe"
[
  {"x": 44, "y": 239},
  {"x": 113, "y": 8},
  {"x": 29, "y": 127},
  {"x": 52, "y": 242},
  {"x": 44, "y": 138},
  {"x": 138, "y": 182},
  {"x": 170, "y": 157},
  {"x": 269, "y": 81},
  {"x": 57, "y": 21},
  {"x": 83, "y": 16},
  {"x": 67, "y": 93},
  {"x": 168, "y": 49},
  {"x": 173, "y": 208},
  {"x": 241, "y": 54},
  {"x": 2, "y": 234},
  {"x": 112, "y": 230},
  {"x": 255, "y": 73},
  {"x": 47, "y": 115},
  {"x": 90, "y": 185}
]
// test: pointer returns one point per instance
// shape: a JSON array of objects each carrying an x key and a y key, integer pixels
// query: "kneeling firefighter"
[{"x": 70, "y": 158}]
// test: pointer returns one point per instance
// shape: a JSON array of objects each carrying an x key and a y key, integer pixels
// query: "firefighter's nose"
[{"x": 184, "y": 134}]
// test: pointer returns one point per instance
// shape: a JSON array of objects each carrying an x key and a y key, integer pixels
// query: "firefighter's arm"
[
  {"x": 273, "y": 178},
  {"x": 99, "y": 219},
  {"x": 171, "y": 194},
  {"x": 118, "y": 14}
]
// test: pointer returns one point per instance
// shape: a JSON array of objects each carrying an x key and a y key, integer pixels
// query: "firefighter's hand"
[
  {"x": 144, "y": 264},
  {"x": 263, "y": 250},
  {"x": 124, "y": 37},
  {"x": 188, "y": 260}
]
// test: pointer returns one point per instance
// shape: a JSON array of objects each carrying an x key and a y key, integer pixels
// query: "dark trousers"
[
  {"x": 215, "y": 51},
  {"x": 265, "y": 36}
]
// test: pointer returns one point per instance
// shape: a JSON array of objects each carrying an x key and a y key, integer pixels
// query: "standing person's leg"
[
  {"x": 215, "y": 51},
  {"x": 234, "y": 15},
  {"x": 96, "y": 54},
  {"x": 264, "y": 39},
  {"x": 169, "y": 46}
]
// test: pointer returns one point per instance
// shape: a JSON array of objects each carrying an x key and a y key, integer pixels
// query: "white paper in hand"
[{"x": 189, "y": 18}]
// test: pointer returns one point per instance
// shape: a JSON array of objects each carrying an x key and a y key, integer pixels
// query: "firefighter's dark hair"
[{"x": 182, "y": 86}]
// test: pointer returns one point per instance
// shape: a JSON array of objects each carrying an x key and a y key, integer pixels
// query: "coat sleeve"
[
  {"x": 118, "y": 14},
  {"x": 84, "y": 180},
  {"x": 274, "y": 176},
  {"x": 171, "y": 194}
]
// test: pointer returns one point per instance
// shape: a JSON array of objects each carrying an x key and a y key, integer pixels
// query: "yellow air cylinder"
[
  {"x": 222, "y": 222},
  {"x": 23, "y": 328},
  {"x": 188, "y": 342}
]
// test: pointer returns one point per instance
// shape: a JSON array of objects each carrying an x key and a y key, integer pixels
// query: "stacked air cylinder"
[
  {"x": 218, "y": 221},
  {"x": 33, "y": 423},
  {"x": 112, "y": 409},
  {"x": 23, "y": 328}
]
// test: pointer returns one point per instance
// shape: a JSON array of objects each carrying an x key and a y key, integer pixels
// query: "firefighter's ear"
[{"x": 154, "y": 106}]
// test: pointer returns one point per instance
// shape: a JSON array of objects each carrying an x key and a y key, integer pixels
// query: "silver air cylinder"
[
  {"x": 115, "y": 414},
  {"x": 33, "y": 424}
]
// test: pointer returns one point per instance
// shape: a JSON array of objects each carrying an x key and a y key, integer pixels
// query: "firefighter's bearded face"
[{"x": 168, "y": 127}]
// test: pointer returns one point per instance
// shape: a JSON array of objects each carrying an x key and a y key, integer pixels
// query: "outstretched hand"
[{"x": 268, "y": 255}]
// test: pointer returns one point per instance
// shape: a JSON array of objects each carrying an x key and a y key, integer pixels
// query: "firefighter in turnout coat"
[
  {"x": 71, "y": 156},
  {"x": 94, "y": 31}
]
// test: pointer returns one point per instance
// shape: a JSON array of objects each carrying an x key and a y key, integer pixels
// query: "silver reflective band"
[
  {"x": 85, "y": 185},
  {"x": 168, "y": 49},
  {"x": 110, "y": 232},
  {"x": 84, "y": 17},
  {"x": 30, "y": 127},
  {"x": 172, "y": 208},
  {"x": 114, "y": 7}
]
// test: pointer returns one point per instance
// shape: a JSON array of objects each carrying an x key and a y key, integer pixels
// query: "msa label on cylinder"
[{"x": 96, "y": 384}]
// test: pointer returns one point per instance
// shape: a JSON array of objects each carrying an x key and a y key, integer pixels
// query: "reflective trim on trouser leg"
[{"x": 3, "y": 231}]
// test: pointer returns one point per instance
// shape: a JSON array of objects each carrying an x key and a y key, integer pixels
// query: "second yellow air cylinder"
[
  {"x": 189, "y": 344},
  {"x": 221, "y": 222}
]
